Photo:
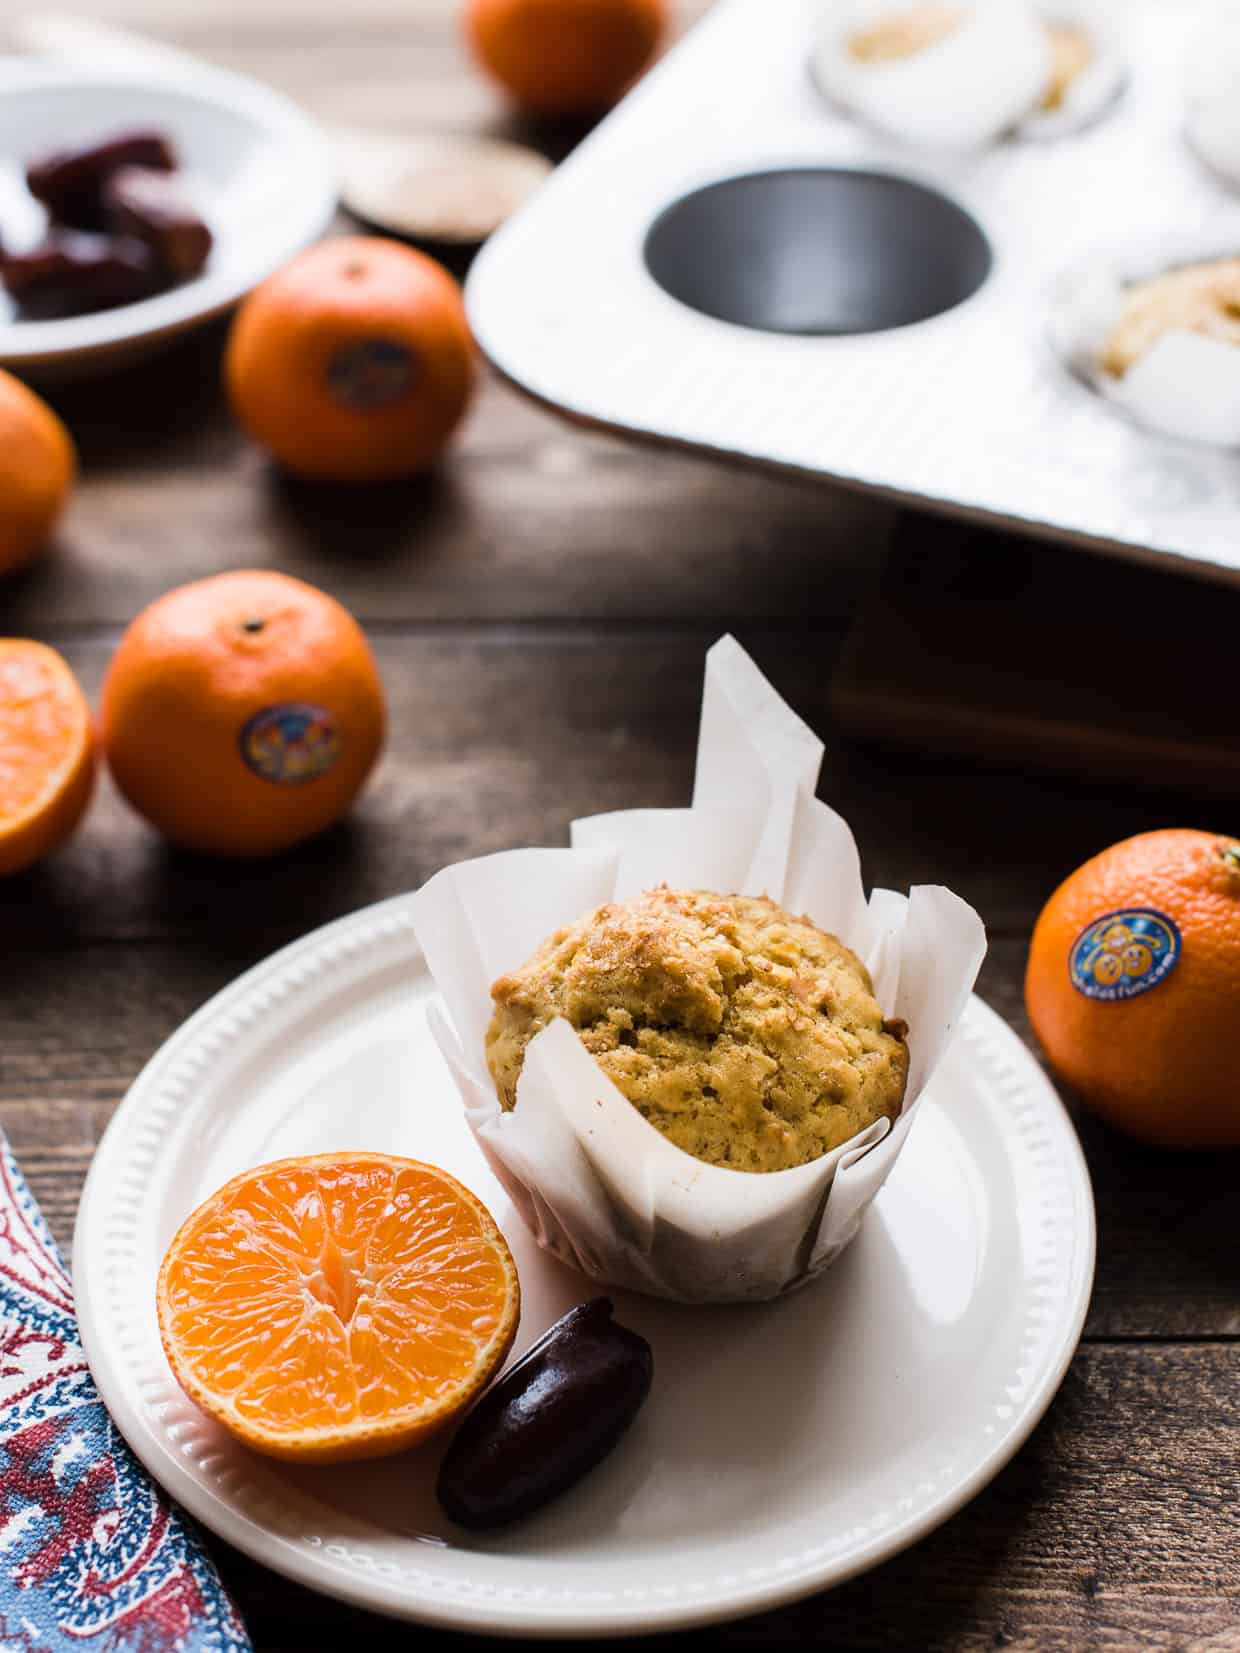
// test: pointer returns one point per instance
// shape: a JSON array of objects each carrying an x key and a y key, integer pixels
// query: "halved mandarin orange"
[
  {"x": 337, "y": 1306},
  {"x": 47, "y": 753}
]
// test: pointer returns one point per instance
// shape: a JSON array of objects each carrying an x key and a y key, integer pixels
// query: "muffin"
[
  {"x": 904, "y": 33},
  {"x": 1072, "y": 52},
  {"x": 748, "y": 1038},
  {"x": 1195, "y": 298}
]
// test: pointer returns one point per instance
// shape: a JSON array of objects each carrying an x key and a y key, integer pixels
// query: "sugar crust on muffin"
[{"x": 749, "y": 1038}]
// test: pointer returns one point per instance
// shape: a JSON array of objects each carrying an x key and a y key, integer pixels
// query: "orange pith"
[
  {"x": 47, "y": 756},
  {"x": 337, "y": 1306}
]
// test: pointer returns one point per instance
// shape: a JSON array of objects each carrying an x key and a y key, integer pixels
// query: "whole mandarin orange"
[
  {"x": 354, "y": 363},
  {"x": 242, "y": 714},
  {"x": 37, "y": 467},
  {"x": 565, "y": 57},
  {"x": 1133, "y": 987},
  {"x": 47, "y": 753}
]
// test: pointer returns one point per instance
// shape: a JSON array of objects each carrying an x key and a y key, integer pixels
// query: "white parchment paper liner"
[
  {"x": 961, "y": 92},
  {"x": 981, "y": 81},
  {"x": 1186, "y": 385},
  {"x": 1212, "y": 73},
  {"x": 1100, "y": 83},
  {"x": 595, "y": 1182}
]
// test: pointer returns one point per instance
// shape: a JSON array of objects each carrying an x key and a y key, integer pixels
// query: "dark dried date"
[
  {"x": 555, "y": 1415},
  {"x": 71, "y": 273},
  {"x": 70, "y": 183},
  {"x": 153, "y": 208}
]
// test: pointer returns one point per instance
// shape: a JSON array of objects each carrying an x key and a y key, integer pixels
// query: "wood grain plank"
[
  {"x": 1168, "y": 1251},
  {"x": 526, "y": 518},
  {"x": 1168, "y": 1243},
  {"x": 499, "y": 737},
  {"x": 231, "y": 22},
  {"x": 540, "y": 607},
  {"x": 974, "y": 642},
  {"x": 387, "y": 65},
  {"x": 1114, "y": 1529}
]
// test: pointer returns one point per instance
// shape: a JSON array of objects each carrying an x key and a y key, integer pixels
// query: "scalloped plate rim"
[{"x": 484, "y": 1608}]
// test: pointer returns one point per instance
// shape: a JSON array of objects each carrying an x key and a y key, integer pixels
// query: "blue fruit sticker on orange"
[
  {"x": 291, "y": 743},
  {"x": 1124, "y": 953},
  {"x": 371, "y": 375}
]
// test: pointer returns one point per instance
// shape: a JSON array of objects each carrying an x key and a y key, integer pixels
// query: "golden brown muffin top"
[
  {"x": 1072, "y": 52},
  {"x": 905, "y": 31},
  {"x": 1195, "y": 298},
  {"x": 748, "y": 1037}
]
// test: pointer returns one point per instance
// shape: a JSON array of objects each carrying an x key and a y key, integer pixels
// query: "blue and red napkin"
[{"x": 93, "y": 1558}]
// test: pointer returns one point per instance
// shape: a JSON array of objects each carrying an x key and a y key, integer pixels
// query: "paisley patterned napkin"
[{"x": 92, "y": 1557}]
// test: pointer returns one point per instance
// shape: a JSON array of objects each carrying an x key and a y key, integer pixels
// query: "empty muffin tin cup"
[{"x": 818, "y": 250}]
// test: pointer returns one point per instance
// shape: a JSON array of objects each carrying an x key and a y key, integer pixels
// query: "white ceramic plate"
[
  {"x": 257, "y": 167},
  {"x": 784, "y": 1447}
]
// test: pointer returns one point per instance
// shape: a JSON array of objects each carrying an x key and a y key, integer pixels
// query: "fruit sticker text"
[
  {"x": 291, "y": 743},
  {"x": 1124, "y": 953},
  {"x": 371, "y": 375}
]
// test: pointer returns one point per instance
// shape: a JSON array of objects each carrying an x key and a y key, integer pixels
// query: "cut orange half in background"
[
  {"x": 47, "y": 753},
  {"x": 337, "y": 1306}
]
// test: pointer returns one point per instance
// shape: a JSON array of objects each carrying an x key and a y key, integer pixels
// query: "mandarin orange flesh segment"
[
  {"x": 40, "y": 730},
  {"x": 46, "y": 752},
  {"x": 337, "y": 1306}
]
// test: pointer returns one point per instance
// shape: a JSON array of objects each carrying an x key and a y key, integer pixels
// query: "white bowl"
[{"x": 258, "y": 168}]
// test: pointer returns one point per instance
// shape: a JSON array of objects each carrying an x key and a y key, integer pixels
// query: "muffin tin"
[{"x": 668, "y": 283}]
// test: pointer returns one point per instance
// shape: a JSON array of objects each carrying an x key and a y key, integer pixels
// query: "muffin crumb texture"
[
  {"x": 749, "y": 1038},
  {"x": 1072, "y": 52},
  {"x": 904, "y": 33},
  {"x": 1196, "y": 298}
]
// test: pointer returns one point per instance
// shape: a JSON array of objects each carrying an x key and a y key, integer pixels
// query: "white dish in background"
[
  {"x": 257, "y": 167},
  {"x": 969, "y": 412},
  {"x": 785, "y": 1446}
]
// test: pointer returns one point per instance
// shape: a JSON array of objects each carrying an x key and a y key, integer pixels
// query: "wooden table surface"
[{"x": 540, "y": 607}]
